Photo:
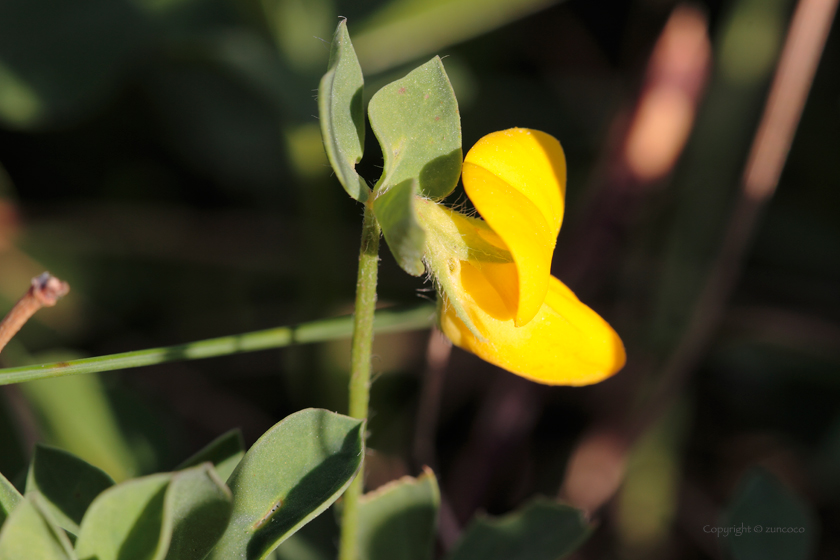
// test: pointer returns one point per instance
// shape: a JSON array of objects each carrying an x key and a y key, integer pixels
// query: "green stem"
[
  {"x": 360, "y": 371},
  {"x": 386, "y": 320}
]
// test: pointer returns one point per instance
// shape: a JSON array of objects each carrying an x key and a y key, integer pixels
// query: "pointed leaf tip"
[{"x": 342, "y": 116}]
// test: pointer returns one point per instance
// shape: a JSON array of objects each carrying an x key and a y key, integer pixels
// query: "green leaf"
[
  {"x": 399, "y": 520},
  {"x": 542, "y": 530},
  {"x": 396, "y": 213},
  {"x": 342, "y": 114},
  {"x": 9, "y": 498},
  {"x": 291, "y": 474},
  {"x": 224, "y": 452},
  {"x": 163, "y": 516},
  {"x": 417, "y": 123},
  {"x": 196, "y": 512},
  {"x": 125, "y": 521},
  {"x": 28, "y": 534},
  {"x": 774, "y": 523},
  {"x": 67, "y": 484}
]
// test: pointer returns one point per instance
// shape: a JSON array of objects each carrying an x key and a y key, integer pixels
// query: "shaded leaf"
[
  {"x": 291, "y": 474},
  {"x": 417, "y": 123},
  {"x": 66, "y": 483},
  {"x": 399, "y": 520},
  {"x": 342, "y": 113},
  {"x": 542, "y": 530},
  {"x": 394, "y": 209},
  {"x": 9, "y": 498},
  {"x": 775, "y": 524},
  {"x": 29, "y": 534},
  {"x": 224, "y": 452}
]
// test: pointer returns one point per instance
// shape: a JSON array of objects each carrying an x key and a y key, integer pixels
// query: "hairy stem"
[{"x": 360, "y": 370}]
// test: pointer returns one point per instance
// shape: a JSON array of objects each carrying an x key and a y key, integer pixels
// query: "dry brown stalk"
[{"x": 45, "y": 291}]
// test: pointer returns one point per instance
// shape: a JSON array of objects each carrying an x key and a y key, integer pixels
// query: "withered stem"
[{"x": 45, "y": 291}]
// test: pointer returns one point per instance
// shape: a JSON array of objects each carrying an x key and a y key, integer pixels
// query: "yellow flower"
[{"x": 498, "y": 298}]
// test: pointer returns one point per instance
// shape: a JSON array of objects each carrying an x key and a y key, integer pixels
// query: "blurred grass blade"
[
  {"x": 196, "y": 511},
  {"x": 407, "y": 29},
  {"x": 128, "y": 516},
  {"x": 394, "y": 209},
  {"x": 399, "y": 520},
  {"x": 28, "y": 534},
  {"x": 416, "y": 318},
  {"x": 291, "y": 474},
  {"x": 224, "y": 452},
  {"x": 76, "y": 415},
  {"x": 66, "y": 483},
  {"x": 9, "y": 498},
  {"x": 764, "y": 508},
  {"x": 342, "y": 115},
  {"x": 417, "y": 123},
  {"x": 542, "y": 530}
]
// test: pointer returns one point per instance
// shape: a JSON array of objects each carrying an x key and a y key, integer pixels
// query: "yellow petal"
[
  {"x": 530, "y": 161},
  {"x": 566, "y": 344},
  {"x": 526, "y": 232}
]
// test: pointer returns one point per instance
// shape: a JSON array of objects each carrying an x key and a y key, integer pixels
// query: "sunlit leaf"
[
  {"x": 29, "y": 534},
  {"x": 417, "y": 123},
  {"x": 196, "y": 511},
  {"x": 291, "y": 474},
  {"x": 125, "y": 522},
  {"x": 9, "y": 498}
]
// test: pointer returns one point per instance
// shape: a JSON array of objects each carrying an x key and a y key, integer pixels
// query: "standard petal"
[
  {"x": 566, "y": 344},
  {"x": 525, "y": 231},
  {"x": 530, "y": 161}
]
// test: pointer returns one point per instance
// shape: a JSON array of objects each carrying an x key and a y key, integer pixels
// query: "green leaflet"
[
  {"x": 399, "y": 520},
  {"x": 159, "y": 517},
  {"x": 67, "y": 484},
  {"x": 9, "y": 498},
  {"x": 342, "y": 113},
  {"x": 395, "y": 210},
  {"x": 762, "y": 508},
  {"x": 224, "y": 452},
  {"x": 29, "y": 533},
  {"x": 417, "y": 123},
  {"x": 290, "y": 475},
  {"x": 542, "y": 530}
]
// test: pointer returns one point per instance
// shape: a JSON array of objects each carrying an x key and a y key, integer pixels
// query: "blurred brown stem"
[
  {"x": 795, "y": 73},
  {"x": 45, "y": 291}
]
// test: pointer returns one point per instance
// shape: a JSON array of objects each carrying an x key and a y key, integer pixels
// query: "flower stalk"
[{"x": 360, "y": 369}]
